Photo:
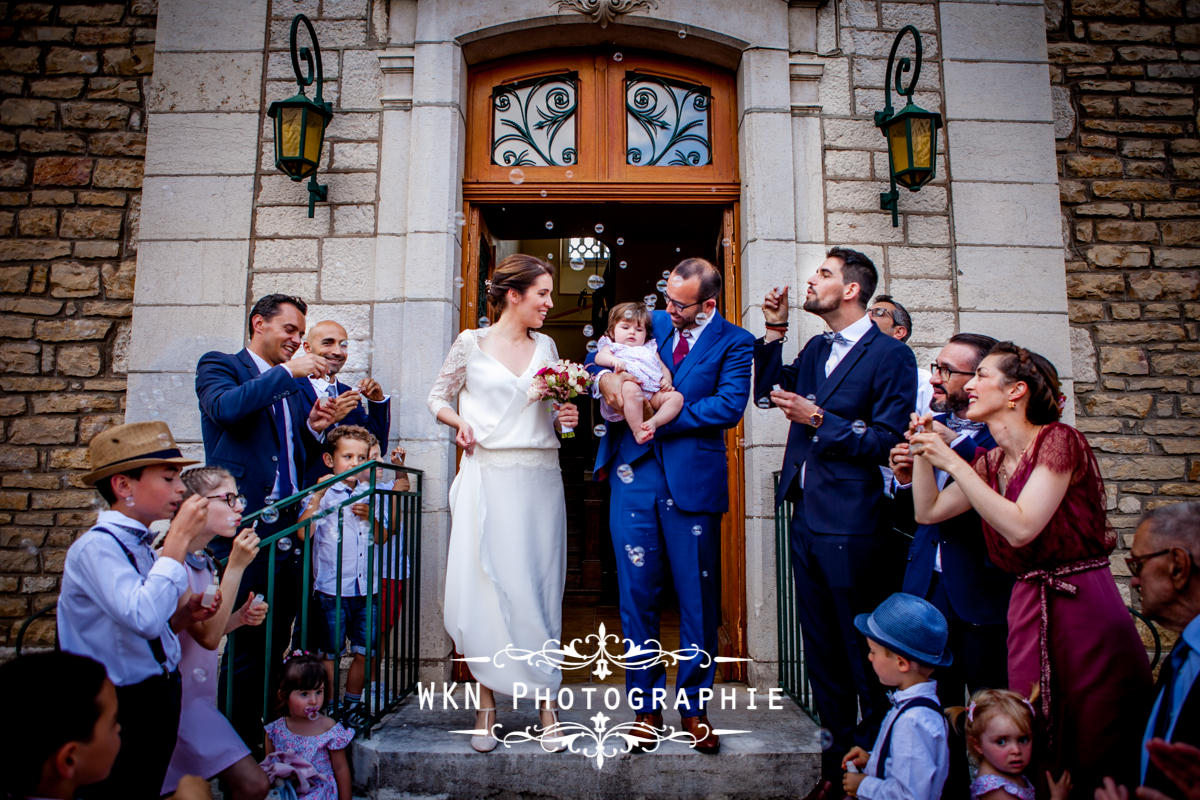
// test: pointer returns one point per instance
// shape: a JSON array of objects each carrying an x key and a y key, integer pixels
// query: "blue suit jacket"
[
  {"x": 714, "y": 379},
  {"x": 378, "y": 421},
  {"x": 978, "y": 590},
  {"x": 874, "y": 384},
  {"x": 237, "y": 425}
]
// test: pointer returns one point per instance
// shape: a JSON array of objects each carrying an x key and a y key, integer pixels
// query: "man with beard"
[
  {"x": 328, "y": 340},
  {"x": 947, "y": 562},
  {"x": 848, "y": 396}
]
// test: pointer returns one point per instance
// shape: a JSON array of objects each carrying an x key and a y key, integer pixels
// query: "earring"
[{"x": 1012, "y": 403}]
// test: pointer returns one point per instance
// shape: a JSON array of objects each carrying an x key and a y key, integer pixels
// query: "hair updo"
[
  {"x": 517, "y": 272},
  {"x": 1036, "y": 372}
]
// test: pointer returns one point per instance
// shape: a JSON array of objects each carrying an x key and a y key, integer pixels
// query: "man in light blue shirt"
[{"x": 1163, "y": 561}]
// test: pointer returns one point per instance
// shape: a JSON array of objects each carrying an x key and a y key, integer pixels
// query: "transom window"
[{"x": 533, "y": 122}]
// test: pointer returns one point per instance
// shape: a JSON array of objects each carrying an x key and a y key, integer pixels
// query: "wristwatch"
[{"x": 816, "y": 418}]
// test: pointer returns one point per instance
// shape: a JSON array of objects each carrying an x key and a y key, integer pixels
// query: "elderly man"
[
  {"x": 328, "y": 340},
  {"x": 1163, "y": 560}
]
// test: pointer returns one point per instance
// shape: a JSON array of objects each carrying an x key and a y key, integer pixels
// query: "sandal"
[
  {"x": 555, "y": 744},
  {"x": 485, "y": 744}
]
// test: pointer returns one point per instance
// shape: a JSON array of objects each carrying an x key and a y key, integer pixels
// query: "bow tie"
[
  {"x": 835, "y": 338},
  {"x": 960, "y": 425}
]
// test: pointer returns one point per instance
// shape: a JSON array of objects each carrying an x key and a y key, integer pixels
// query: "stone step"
[{"x": 414, "y": 754}]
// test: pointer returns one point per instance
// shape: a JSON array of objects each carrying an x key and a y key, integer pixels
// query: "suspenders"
[
  {"x": 156, "y": 645},
  {"x": 885, "y": 749}
]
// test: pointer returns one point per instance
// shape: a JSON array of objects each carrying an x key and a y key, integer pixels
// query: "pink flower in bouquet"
[{"x": 560, "y": 381}]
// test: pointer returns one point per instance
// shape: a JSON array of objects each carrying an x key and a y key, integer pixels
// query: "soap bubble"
[
  {"x": 517, "y": 176},
  {"x": 460, "y": 219},
  {"x": 676, "y": 249},
  {"x": 199, "y": 675},
  {"x": 595, "y": 282},
  {"x": 725, "y": 242},
  {"x": 599, "y": 227},
  {"x": 859, "y": 427},
  {"x": 701, "y": 318},
  {"x": 591, "y": 346},
  {"x": 588, "y": 330},
  {"x": 661, "y": 285},
  {"x": 682, "y": 33},
  {"x": 549, "y": 256},
  {"x": 763, "y": 402},
  {"x": 628, "y": 314},
  {"x": 637, "y": 555},
  {"x": 576, "y": 263},
  {"x": 618, "y": 57},
  {"x": 543, "y": 193},
  {"x": 625, "y": 473},
  {"x": 623, "y": 265},
  {"x": 670, "y": 502},
  {"x": 812, "y": 397},
  {"x": 704, "y": 573},
  {"x": 620, "y": 240},
  {"x": 458, "y": 283},
  {"x": 666, "y": 273},
  {"x": 269, "y": 515},
  {"x": 549, "y": 225},
  {"x": 600, "y": 430},
  {"x": 825, "y": 737},
  {"x": 284, "y": 545},
  {"x": 569, "y": 174},
  {"x": 650, "y": 300},
  {"x": 29, "y": 547},
  {"x": 483, "y": 322},
  {"x": 697, "y": 530}
]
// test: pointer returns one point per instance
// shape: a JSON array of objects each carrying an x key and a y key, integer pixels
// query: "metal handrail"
[{"x": 793, "y": 670}]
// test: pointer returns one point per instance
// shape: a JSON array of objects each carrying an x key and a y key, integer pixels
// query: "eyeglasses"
[
  {"x": 681, "y": 306},
  {"x": 1135, "y": 563},
  {"x": 232, "y": 500},
  {"x": 945, "y": 372},
  {"x": 879, "y": 312}
]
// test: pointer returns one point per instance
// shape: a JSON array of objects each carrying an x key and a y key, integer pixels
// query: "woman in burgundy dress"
[{"x": 1041, "y": 498}]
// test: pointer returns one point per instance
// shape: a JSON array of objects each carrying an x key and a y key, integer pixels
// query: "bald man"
[{"x": 329, "y": 340}]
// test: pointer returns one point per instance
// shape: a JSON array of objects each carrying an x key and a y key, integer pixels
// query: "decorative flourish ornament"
[{"x": 605, "y": 11}]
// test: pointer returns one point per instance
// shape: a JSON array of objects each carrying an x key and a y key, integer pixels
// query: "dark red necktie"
[{"x": 681, "y": 348}]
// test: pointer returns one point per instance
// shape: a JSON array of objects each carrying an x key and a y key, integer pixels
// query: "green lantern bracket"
[
  {"x": 300, "y": 122},
  {"x": 911, "y": 133}
]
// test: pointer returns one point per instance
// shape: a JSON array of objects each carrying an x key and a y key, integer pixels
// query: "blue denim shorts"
[{"x": 353, "y": 623}]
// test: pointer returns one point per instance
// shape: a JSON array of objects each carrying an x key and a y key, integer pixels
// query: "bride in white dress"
[{"x": 507, "y": 560}]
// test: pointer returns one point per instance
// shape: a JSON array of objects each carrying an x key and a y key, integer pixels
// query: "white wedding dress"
[{"x": 507, "y": 562}]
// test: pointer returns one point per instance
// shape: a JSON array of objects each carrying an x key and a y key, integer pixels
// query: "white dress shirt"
[
  {"x": 109, "y": 611},
  {"x": 276, "y": 494},
  {"x": 321, "y": 387},
  {"x": 919, "y": 761},
  {"x": 851, "y": 333},
  {"x": 692, "y": 335},
  {"x": 357, "y": 538}
]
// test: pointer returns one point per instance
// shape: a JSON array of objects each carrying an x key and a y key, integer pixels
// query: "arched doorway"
[{"x": 614, "y": 166}]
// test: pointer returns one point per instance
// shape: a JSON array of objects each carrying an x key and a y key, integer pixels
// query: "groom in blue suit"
[
  {"x": 668, "y": 495},
  {"x": 848, "y": 396}
]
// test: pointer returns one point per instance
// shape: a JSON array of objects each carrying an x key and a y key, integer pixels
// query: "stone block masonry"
[
  {"x": 72, "y": 83},
  {"x": 1124, "y": 80}
]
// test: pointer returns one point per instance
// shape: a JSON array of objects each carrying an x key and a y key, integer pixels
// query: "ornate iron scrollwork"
[
  {"x": 666, "y": 122},
  {"x": 605, "y": 11},
  {"x": 533, "y": 122}
]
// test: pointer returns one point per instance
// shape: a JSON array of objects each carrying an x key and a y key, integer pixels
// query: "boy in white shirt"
[
  {"x": 348, "y": 447},
  {"x": 122, "y": 607},
  {"x": 911, "y": 757}
]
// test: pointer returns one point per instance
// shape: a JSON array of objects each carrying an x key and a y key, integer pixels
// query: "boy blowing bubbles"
[{"x": 906, "y": 637}]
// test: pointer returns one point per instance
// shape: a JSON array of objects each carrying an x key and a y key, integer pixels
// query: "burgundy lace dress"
[{"x": 1069, "y": 632}]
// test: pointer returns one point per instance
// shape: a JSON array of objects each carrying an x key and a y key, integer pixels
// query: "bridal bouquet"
[{"x": 560, "y": 381}]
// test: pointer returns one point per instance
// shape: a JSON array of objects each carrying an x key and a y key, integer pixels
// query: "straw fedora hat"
[{"x": 138, "y": 444}]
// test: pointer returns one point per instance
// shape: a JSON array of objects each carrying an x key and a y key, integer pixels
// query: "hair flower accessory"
[
  {"x": 1061, "y": 402},
  {"x": 295, "y": 654}
]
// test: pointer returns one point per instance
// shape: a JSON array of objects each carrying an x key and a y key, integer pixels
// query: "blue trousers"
[{"x": 656, "y": 541}]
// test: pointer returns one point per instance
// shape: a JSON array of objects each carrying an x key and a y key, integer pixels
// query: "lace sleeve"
[
  {"x": 453, "y": 374},
  {"x": 983, "y": 467},
  {"x": 553, "y": 348},
  {"x": 1061, "y": 449}
]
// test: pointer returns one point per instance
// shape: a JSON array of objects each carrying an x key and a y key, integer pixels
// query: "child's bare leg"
[
  {"x": 631, "y": 394},
  {"x": 667, "y": 406}
]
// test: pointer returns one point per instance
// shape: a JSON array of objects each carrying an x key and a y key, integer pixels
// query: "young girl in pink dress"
[
  {"x": 306, "y": 732},
  {"x": 207, "y": 744}
]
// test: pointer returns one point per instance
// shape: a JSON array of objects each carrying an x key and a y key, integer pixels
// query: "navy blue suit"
[
  {"x": 239, "y": 433},
  {"x": 669, "y": 515},
  {"x": 839, "y": 555},
  {"x": 378, "y": 421}
]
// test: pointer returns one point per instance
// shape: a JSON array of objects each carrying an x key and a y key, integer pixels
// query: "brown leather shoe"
[
  {"x": 642, "y": 730},
  {"x": 707, "y": 742}
]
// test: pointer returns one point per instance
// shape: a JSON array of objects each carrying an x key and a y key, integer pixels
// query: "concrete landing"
[{"x": 413, "y": 754}]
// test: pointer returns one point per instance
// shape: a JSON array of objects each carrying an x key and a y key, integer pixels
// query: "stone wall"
[
  {"x": 1125, "y": 74},
  {"x": 72, "y": 83}
]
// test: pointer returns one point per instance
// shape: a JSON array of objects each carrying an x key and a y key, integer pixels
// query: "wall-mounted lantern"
[
  {"x": 911, "y": 133},
  {"x": 300, "y": 122}
]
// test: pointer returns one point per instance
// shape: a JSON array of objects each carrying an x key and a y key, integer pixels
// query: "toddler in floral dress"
[
  {"x": 303, "y": 733},
  {"x": 647, "y": 390}
]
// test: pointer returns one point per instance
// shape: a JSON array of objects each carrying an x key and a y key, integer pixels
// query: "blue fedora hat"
[{"x": 910, "y": 626}]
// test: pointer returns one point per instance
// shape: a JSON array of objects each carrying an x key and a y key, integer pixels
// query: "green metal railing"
[
  {"x": 392, "y": 644},
  {"x": 793, "y": 671}
]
